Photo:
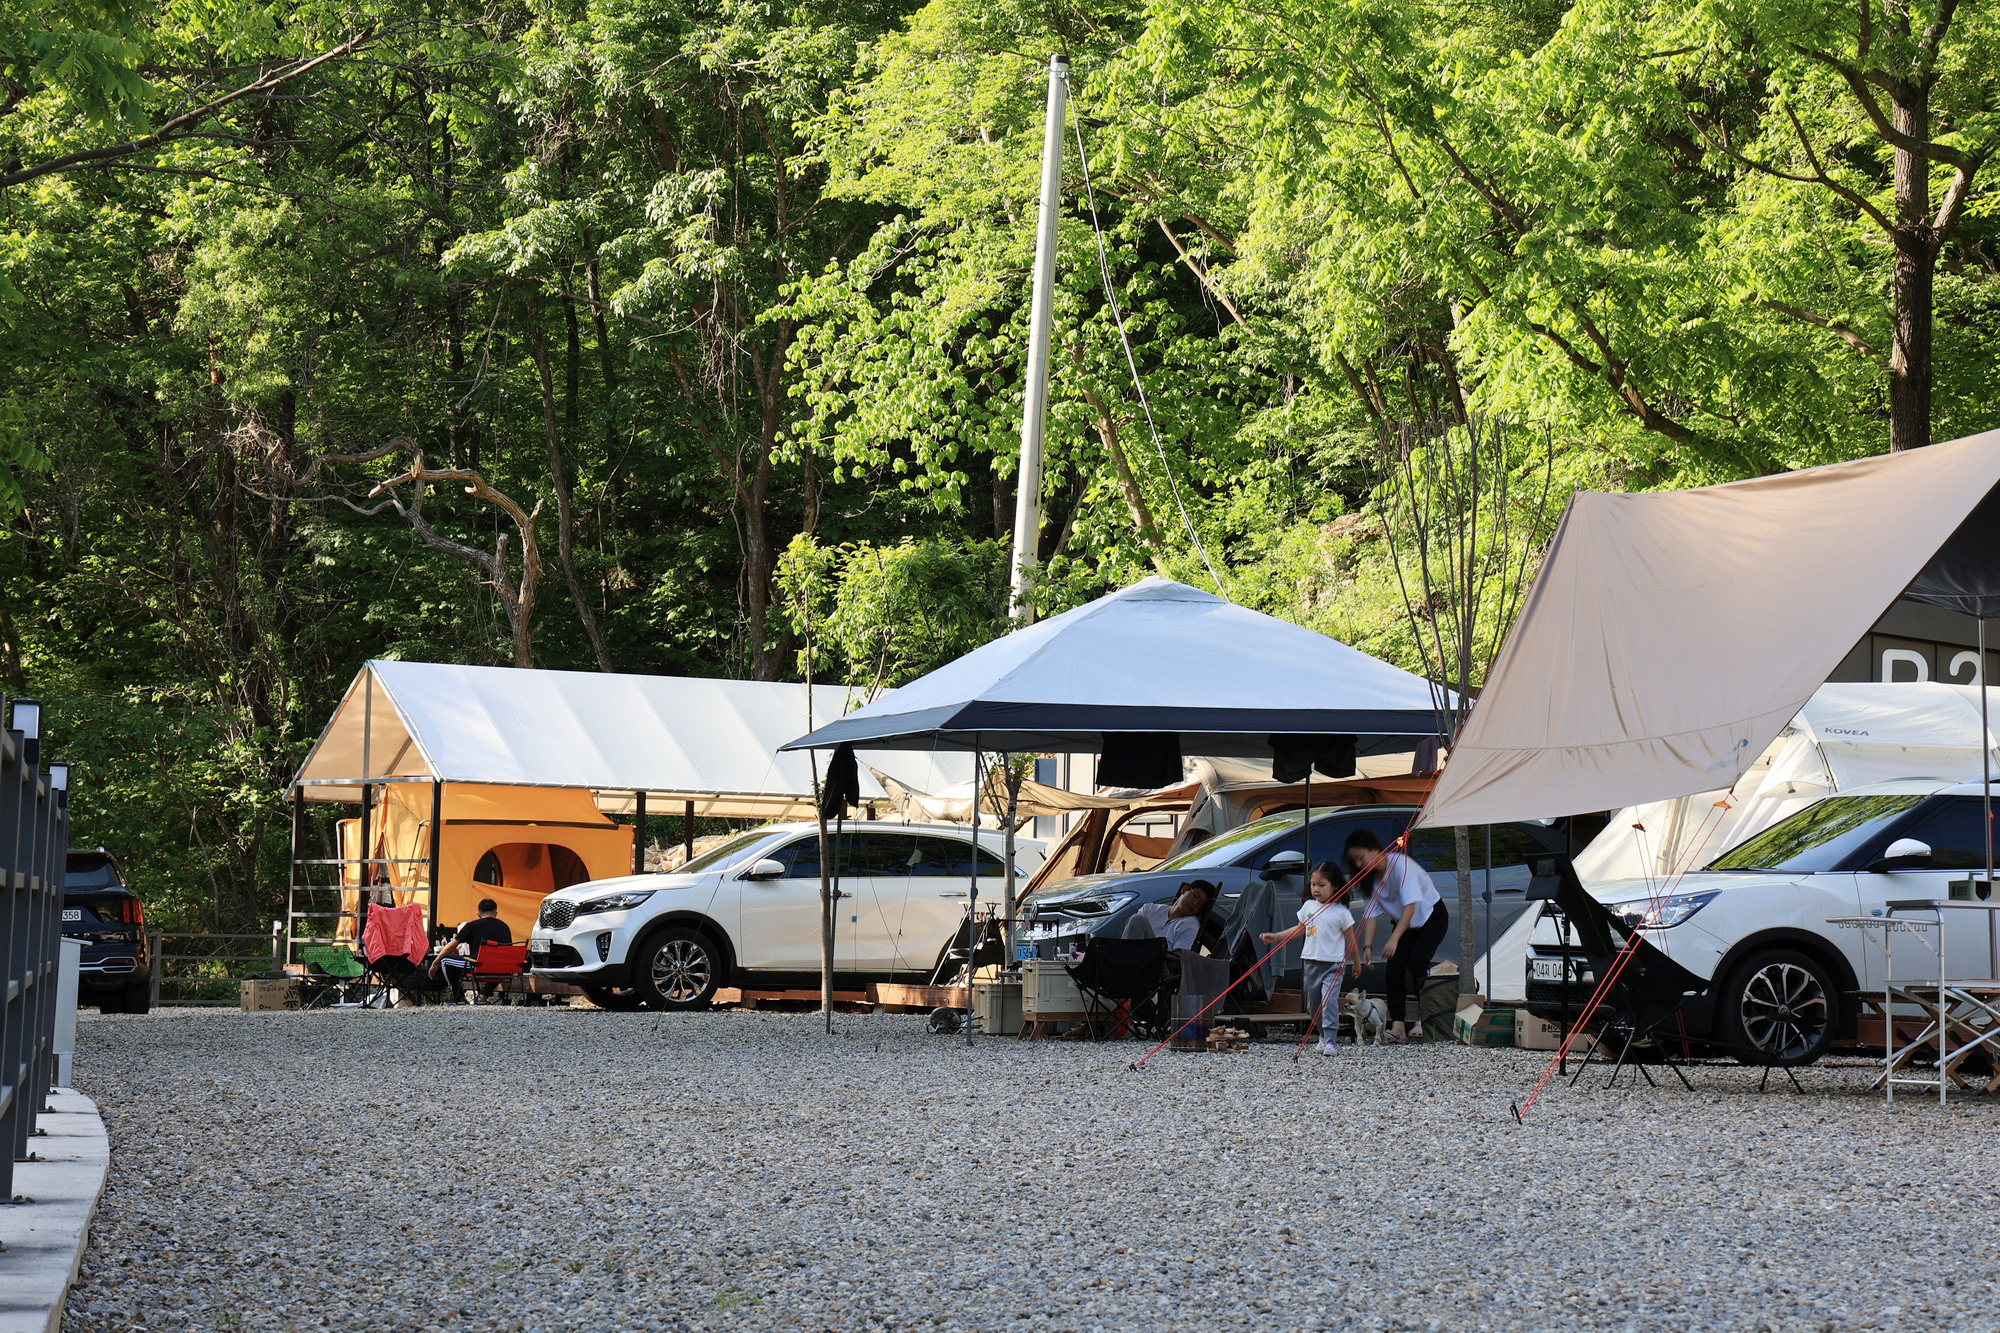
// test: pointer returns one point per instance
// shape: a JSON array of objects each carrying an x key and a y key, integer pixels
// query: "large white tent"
[
  {"x": 711, "y": 744},
  {"x": 1846, "y": 736},
  {"x": 1157, "y": 657},
  {"x": 1669, "y": 637}
]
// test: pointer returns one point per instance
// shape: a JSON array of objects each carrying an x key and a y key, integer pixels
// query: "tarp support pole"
[
  {"x": 437, "y": 843},
  {"x": 638, "y": 833},
  {"x": 1985, "y": 795},
  {"x": 687, "y": 831}
]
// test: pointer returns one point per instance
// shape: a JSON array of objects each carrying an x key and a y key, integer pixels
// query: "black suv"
[{"x": 117, "y": 970}]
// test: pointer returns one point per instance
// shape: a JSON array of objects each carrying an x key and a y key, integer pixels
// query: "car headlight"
[
  {"x": 617, "y": 902},
  {"x": 1647, "y": 914},
  {"x": 1086, "y": 907}
]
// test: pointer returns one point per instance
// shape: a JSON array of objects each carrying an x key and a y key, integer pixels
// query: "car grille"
[
  {"x": 558, "y": 914},
  {"x": 556, "y": 955},
  {"x": 108, "y": 965}
]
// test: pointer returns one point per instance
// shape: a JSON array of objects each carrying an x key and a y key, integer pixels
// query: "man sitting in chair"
[
  {"x": 456, "y": 958},
  {"x": 1179, "y": 925}
]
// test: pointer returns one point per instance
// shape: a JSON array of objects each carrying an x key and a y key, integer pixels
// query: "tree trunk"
[
  {"x": 565, "y": 519},
  {"x": 1913, "y": 279}
]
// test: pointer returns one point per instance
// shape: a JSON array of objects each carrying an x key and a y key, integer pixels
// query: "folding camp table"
[{"x": 1960, "y": 1018}]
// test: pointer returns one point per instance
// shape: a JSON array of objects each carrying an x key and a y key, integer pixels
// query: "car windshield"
[
  {"x": 1226, "y": 847},
  {"x": 1820, "y": 836},
  {"x": 725, "y": 854}
]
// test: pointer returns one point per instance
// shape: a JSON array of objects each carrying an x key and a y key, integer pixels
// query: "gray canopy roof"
[{"x": 1158, "y": 656}]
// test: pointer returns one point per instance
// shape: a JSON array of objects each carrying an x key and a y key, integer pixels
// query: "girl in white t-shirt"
[{"x": 1329, "y": 930}]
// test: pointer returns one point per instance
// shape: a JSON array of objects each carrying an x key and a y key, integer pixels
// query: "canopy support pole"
[
  {"x": 292, "y": 882},
  {"x": 687, "y": 831},
  {"x": 1013, "y": 928},
  {"x": 437, "y": 843},
  {"x": 825, "y": 899},
  {"x": 972, "y": 894},
  {"x": 638, "y": 833}
]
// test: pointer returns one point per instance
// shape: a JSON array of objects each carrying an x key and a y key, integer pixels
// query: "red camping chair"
[{"x": 496, "y": 963}]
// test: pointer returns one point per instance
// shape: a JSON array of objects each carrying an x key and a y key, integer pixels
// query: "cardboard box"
[
  {"x": 1535, "y": 1034},
  {"x": 1478, "y": 1026},
  {"x": 259, "y": 996}
]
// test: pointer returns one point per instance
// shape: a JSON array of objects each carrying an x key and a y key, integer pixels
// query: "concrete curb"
[{"x": 45, "y": 1239}]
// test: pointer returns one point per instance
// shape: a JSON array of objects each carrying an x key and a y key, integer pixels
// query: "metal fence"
[
  {"x": 211, "y": 967},
  {"x": 34, "y": 844}
]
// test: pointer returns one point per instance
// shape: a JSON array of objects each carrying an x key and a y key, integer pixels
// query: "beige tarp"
[{"x": 1669, "y": 637}]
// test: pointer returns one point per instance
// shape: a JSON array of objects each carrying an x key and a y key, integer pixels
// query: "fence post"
[
  {"x": 34, "y": 842},
  {"x": 277, "y": 948},
  {"x": 159, "y": 965}
]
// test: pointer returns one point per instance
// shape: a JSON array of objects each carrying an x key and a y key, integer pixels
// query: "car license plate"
[
  {"x": 1545, "y": 969},
  {"x": 72, "y": 914}
]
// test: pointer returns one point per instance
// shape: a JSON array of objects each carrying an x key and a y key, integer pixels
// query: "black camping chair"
[
  {"x": 961, "y": 957},
  {"x": 1125, "y": 981},
  {"x": 1649, "y": 991}
]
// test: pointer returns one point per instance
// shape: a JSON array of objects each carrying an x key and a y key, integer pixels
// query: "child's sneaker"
[{"x": 1328, "y": 1048}]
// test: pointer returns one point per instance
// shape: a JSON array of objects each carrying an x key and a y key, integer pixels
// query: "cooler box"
[{"x": 997, "y": 1006}]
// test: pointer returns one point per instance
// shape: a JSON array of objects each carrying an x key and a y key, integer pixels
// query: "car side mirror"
[
  {"x": 1903, "y": 854},
  {"x": 765, "y": 869},
  {"x": 1285, "y": 863}
]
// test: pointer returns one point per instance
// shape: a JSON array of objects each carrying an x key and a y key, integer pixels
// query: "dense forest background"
[{"x": 681, "y": 335}]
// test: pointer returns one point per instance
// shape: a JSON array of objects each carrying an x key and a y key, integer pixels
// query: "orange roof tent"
[
  {"x": 514, "y": 845},
  {"x": 498, "y": 782}
]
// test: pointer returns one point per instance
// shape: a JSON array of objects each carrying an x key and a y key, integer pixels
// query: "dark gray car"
[{"x": 1090, "y": 904}]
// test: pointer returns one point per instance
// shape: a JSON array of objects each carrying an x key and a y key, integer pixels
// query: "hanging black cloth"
[
  {"x": 1139, "y": 759},
  {"x": 842, "y": 788},
  {"x": 1292, "y": 757}
]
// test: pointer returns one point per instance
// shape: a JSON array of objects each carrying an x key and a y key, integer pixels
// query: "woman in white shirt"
[{"x": 1400, "y": 891}]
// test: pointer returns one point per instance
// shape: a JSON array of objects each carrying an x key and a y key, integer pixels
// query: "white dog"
[{"x": 1370, "y": 1015}]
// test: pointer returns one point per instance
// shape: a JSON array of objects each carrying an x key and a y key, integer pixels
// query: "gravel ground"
[{"x": 511, "y": 1169}]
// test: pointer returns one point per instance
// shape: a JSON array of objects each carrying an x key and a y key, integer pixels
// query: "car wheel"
[
  {"x": 1780, "y": 1007},
  {"x": 678, "y": 969},
  {"x": 138, "y": 998},
  {"x": 616, "y": 998}
]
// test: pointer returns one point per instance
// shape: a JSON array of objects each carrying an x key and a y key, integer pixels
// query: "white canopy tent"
[
  {"x": 683, "y": 742},
  {"x": 1846, "y": 736},
  {"x": 1156, "y": 657},
  {"x": 1670, "y": 637}
]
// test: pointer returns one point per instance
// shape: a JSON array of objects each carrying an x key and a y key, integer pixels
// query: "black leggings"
[{"x": 1412, "y": 964}]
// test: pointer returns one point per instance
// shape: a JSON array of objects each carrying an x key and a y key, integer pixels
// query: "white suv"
[
  {"x": 1754, "y": 922},
  {"x": 748, "y": 914}
]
